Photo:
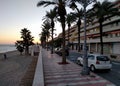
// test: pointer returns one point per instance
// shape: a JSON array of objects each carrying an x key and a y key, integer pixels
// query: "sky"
[{"x": 18, "y": 14}]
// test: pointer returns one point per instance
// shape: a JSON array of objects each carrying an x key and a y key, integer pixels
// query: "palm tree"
[
  {"x": 45, "y": 29},
  {"x": 70, "y": 19},
  {"x": 61, "y": 11},
  {"x": 103, "y": 11},
  {"x": 43, "y": 39},
  {"x": 79, "y": 16},
  {"x": 19, "y": 46},
  {"x": 27, "y": 39},
  {"x": 52, "y": 16}
]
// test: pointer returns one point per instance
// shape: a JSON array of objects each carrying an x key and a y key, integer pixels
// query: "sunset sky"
[{"x": 18, "y": 14}]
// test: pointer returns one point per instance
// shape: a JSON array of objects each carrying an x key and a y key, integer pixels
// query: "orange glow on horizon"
[
  {"x": 11, "y": 36},
  {"x": 7, "y": 40},
  {"x": 11, "y": 40},
  {"x": 36, "y": 40}
]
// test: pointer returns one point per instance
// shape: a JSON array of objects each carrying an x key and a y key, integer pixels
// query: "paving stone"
[{"x": 69, "y": 74}]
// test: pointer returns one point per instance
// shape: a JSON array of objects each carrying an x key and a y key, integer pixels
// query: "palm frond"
[{"x": 45, "y": 3}]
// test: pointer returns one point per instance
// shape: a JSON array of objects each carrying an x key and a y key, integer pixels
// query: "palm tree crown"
[
  {"x": 27, "y": 39},
  {"x": 45, "y": 34},
  {"x": 52, "y": 17}
]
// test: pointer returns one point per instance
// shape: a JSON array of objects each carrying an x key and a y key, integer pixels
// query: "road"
[{"x": 113, "y": 76}]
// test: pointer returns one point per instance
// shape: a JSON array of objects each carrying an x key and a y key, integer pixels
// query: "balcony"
[
  {"x": 111, "y": 27},
  {"x": 114, "y": 39}
]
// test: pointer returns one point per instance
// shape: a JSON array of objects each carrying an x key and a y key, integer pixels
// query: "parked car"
[
  {"x": 96, "y": 62},
  {"x": 59, "y": 51}
]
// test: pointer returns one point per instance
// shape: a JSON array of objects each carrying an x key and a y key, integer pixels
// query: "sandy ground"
[{"x": 13, "y": 68}]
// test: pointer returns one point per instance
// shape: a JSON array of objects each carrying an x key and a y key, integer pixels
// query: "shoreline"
[{"x": 8, "y": 51}]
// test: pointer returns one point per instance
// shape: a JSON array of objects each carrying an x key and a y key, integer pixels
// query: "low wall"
[{"x": 39, "y": 76}]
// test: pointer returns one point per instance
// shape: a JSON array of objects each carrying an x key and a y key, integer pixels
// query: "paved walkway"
[{"x": 67, "y": 75}]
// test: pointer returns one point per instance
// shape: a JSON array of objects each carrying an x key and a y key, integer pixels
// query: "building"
[{"x": 111, "y": 37}]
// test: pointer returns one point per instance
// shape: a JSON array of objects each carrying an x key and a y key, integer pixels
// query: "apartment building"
[{"x": 111, "y": 35}]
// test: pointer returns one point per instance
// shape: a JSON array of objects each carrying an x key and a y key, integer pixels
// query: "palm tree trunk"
[
  {"x": 68, "y": 33},
  {"x": 63, "y": 35},
  {"x": 26, "y": 50},
  {"x": 78, "y": 38},
  {"x": 64, "y": 57},
  {"x": 52, "y": 42},
  {"x": 52, "y": 25},
  {"x": 78, "y": 24},
  {"x": 62, "y": 13},
  {"x": 101, "y": 39},
  {"x": 47, "y": 43}
]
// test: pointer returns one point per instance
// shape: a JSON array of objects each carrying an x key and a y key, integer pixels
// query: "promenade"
[{"x": 56, "y": 74}]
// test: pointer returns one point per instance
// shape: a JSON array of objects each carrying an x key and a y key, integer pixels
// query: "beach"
[{"x": 14, "y": 68}]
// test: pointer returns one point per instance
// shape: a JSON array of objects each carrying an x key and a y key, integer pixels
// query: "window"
[
  {"x": 95, "y": 30},
  {"x": 117, "y": 23},
  {"x": 102, "y": 58},
  {"x": 116, "y": 34},
  {"x": 111, "y": 25},
  {"x": 110, "y": 35},
  {"x": 91, "y": 57},
  {"x": 91, "y": 30}
]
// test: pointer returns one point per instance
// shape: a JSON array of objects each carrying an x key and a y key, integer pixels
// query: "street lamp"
[{"x": 85, "y": 70}]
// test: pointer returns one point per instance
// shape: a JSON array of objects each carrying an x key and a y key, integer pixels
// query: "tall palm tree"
[
  {"x": 43, "y": 39},
  {"x": 46, "y": 30},
  {"x": 51, "y": 16},
  {"x": 27, "y": 39},
  {"x": 103, "y": 11},
  {"x": 79, "y": 16},
  {"x": 69, "y": 20},
  {"x": 61, "y": 11}
]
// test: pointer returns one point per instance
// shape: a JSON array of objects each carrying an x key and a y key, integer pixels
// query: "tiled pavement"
[{"x": 67, "y": 75}]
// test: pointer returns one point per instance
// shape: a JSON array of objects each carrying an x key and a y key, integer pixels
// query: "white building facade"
[{"x": 111, "y": 37}]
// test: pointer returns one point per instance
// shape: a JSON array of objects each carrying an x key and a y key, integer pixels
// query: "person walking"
[{"x": 5, "y": 56}]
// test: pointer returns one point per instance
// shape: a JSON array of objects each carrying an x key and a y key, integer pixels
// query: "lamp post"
[
  {"x": 84, "y": 3},
  {"x": 85, "y": 70}
]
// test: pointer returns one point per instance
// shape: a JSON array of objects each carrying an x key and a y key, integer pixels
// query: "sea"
[{"x": 6, "y": 48}]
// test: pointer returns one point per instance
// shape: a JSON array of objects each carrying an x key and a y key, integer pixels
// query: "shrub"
[{"x": 20, "y": 49}]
